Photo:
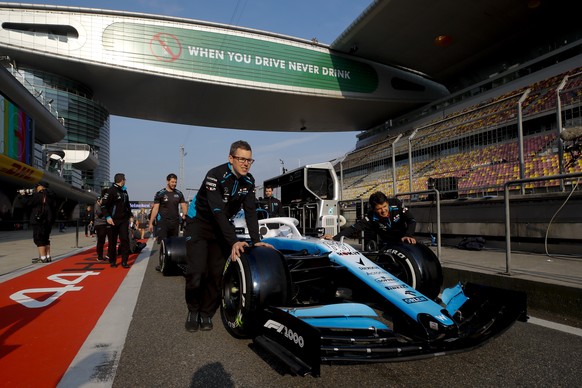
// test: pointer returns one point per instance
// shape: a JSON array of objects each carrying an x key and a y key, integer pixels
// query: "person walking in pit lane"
[
  {"x": 142, "y": 222},
  {"x": 169, "y": 210},
  {"x": 388, "y": 218},
  {"x": 42, "y": 203},
  {"x": 89, "y": 221},
  {"x": 101, "y": 229},
  {"x": 117, "y": 211},
  {"x": 211, "y": 237}
]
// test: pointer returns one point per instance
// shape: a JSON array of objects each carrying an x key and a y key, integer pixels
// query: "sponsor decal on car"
[
  {"x": 415, "y": 299},
  {"x": 285, "y": 332}
]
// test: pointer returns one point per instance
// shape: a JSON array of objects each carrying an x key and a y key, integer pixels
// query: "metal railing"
[{"x": 507, "y": 212}]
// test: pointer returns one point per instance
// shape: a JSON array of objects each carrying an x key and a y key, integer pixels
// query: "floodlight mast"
[
  {"x": 520, "y": 137},
  {"x": 181, "y": 172},
  {"x": 410, "y": 159},
  {"x": 560, "y": 129},
  {"x": 394, "y": 185}
]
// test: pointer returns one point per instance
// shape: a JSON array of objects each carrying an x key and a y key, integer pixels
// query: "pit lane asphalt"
[
  {"x": 158, "y": 352},
  {"x": 154, "y": 350}
]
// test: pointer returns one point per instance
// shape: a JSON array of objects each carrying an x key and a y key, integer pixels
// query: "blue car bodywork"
[{"x": 293, "y": 302}]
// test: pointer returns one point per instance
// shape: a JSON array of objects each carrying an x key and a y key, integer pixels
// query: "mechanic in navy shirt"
[
  {"x": 271, "y": 204},
  {"x": 388, "y": 218},
  {"x": 169, "y": 208},
  {"x": 211, "y": 237}
]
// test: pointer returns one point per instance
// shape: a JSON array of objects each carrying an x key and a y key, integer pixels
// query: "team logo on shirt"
[
  {"x": 243, "y": 191},
  {"x": 210, "y": 186}
]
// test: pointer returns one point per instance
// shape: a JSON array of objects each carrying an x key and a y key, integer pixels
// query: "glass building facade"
[{"x": 86, "y": 121}]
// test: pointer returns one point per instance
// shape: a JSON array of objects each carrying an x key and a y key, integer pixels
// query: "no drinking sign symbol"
[{"x": 165, "y": 47}]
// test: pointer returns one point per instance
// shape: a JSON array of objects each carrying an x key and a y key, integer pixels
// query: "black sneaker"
[
  {"x": 206, "y": 323},
  {"x": 192, "y": 324},
  {"x": 158, "y": 268}
]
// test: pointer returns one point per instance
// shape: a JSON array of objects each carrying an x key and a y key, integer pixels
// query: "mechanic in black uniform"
[
  {"x": 116, "y": 209},
  {"x": 42, "y": 216},
  {"x": 167, "y": 205},
  {"x": 388, "y": 218},
  {"x": 211, "y": 237},
  {"x": 271, "y": 204}
]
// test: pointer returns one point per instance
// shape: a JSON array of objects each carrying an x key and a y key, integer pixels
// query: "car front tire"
[
  {"x": 414, "y": 264},
  {"x": 257, "y": 279}
]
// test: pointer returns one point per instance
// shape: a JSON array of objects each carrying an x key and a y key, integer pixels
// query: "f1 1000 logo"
[{"x": 287, "y": 333}]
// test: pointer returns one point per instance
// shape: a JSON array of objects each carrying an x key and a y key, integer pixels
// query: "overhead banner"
[{"x": 231, "y": 56}]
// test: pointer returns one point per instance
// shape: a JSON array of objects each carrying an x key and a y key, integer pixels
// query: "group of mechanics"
[{"x": 210, "y": 236}]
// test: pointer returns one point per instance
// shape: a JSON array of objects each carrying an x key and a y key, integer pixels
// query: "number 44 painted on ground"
[{"x": 68, "y": 280}]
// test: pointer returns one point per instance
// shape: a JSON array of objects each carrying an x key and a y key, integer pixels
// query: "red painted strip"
[{"x": 46, "y": 315}]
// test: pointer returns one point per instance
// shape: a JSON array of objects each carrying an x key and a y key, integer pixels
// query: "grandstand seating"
[{"x": 477, "y": 145}]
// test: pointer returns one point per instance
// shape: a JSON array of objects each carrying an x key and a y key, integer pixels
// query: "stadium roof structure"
[
  {"x": 448, "y": 39},
  {"x": 395, "y": 57}
]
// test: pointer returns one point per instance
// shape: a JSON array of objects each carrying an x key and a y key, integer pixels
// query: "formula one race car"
[{"x": 312, "y": 300}]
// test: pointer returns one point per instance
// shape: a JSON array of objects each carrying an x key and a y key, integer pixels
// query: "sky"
[{"x": 147, "y": 151}]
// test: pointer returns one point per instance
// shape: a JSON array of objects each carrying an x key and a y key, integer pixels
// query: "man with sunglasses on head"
[{"x": 211, "y": 237}]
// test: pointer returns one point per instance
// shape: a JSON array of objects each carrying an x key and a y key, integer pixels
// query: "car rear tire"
[
  {"x": 172, "y": 253},
  {"x": 259, "y": 278},
  {"x": 414, "y": 264}
]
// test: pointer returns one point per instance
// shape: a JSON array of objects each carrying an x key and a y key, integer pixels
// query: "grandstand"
[
  {"x": 478, "y": 145},
  {"x": 469, "y": 145}
]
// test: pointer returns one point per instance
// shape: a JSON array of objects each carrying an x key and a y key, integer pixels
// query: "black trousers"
[
  {"x": 207, "y": 252},
  {"x": 101, "y": 231},
  {"x": 167, "y": 229},
  {"x": 121, "y": 230}
]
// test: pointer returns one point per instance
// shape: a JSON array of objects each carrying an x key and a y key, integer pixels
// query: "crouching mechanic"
[
  {"x": 388, "y": 218},
  {"x": 211, "y": 237}
]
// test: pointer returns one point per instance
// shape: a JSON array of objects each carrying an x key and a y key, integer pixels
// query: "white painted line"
[
  {"x": 555, "y": 326},
  {"x": 96, "y": 362}
]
